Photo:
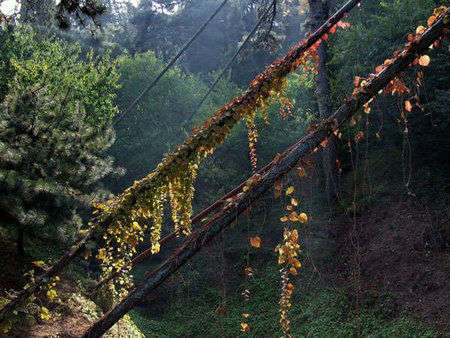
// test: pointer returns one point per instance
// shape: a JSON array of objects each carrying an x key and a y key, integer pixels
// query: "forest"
[{"x": 224, "y": 168}]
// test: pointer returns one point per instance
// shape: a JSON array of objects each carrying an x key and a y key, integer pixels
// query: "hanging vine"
[{"x": 288, "y": 257}]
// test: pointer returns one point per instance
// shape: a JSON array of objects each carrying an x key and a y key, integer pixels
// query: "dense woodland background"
[{"x": 375, "y": 253}]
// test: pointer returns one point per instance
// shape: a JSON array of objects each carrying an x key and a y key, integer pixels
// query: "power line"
[
  {"x": 170, "y": 64},
  {"x": 231, "y": 61}
]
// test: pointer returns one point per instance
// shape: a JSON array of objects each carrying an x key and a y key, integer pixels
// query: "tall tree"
[{"x": 319, "y": 12}]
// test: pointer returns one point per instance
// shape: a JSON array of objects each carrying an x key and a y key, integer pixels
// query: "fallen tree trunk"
[
  {"x": 304, "y": 147},
  {"x": 188, "y": 150}
]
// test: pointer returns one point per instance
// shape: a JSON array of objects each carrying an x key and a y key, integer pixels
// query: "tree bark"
[
  {"x": 288, "y": 160},
  {"x": 319, "y": 11}
]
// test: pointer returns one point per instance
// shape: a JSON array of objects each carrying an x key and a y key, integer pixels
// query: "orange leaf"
[
  {"x": 284, "y": 219},
  {"x": 379, "y": 69},
  {"x": 303, "y": 218},
  {"x": 356, "y": 81},
  {"x": 255, "y": 242},
  {"x": 431, "y": 20},
  {"x": 408, "y": 105},
  {"x": 293, "y": 216},
  {"x": 424, "y": 60},
  {"x": 293, "y": 271},
  {"x": 295, "y": 262}
]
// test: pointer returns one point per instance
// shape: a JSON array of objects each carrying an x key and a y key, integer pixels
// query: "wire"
[
  {"x": 231, "y": 61},
  {"x": 170, "y": 64}
]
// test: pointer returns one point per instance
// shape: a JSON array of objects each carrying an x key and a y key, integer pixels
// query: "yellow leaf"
[
  {"x": 51, "y": 294},
  {"x": 245, "y": 315},
  {"x": 284, "y": 219},
  {"x": 294, "y": 202},
  {"x": 39, "y": 263},
  {"x": 289, "y": 190},
  {"x": 420, "y": 30},
  {"x": 255, "y": 242},
  {"x": 303, "y": 217},
  {"x": 289, "y": 208},
  {"x": 294, "y": 235},
  {"x": 136, "y": 226},
  {"x": 293, "y": 271},
  {"x": 424, "y": 60},
  {"x": 245, "y": 327}
]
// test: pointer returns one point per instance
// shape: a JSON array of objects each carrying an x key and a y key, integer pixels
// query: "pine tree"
[{"x": 55, "y": 123}]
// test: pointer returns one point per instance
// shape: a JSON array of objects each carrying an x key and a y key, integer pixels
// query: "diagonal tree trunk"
[
  {"x": 319, "y": 11},
  {"x": 288, "y": 161}
]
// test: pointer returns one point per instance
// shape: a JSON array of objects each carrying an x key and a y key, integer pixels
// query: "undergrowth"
[{"x": 325, "y": 313}]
